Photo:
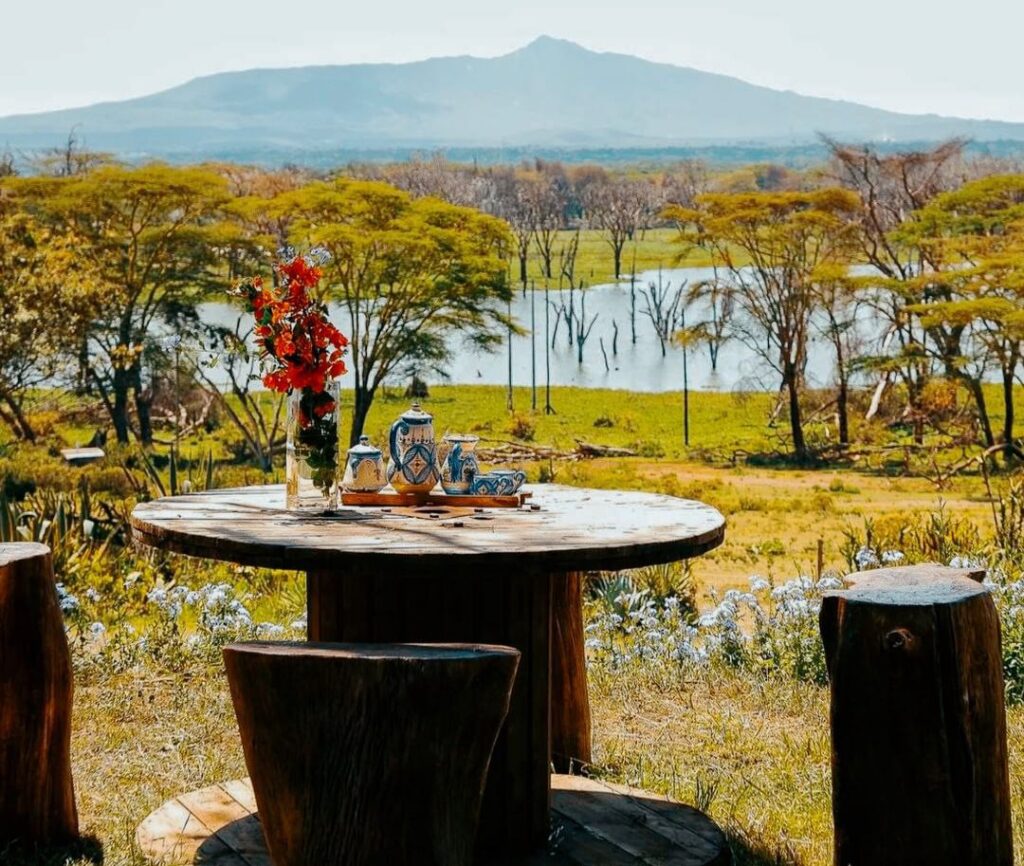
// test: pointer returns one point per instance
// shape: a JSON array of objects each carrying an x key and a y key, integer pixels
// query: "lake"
[{"x": 635, "y": 367}]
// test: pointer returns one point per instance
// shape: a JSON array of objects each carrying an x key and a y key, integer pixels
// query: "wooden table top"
[{"x": 575, "y": 529}]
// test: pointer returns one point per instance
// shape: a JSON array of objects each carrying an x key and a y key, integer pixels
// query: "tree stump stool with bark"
[
  {"x": 369, "y": 753},
  {"x": 37, "y": 796},
  {"x": 919, "y": 754}
]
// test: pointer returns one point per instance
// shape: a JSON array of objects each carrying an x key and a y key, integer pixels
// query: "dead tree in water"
[
  {"x": 663, "y": 308},
  {"x": 583, "y": 327},
  {"x": 567, "y": 275},
  {"x": 719, "y": 296}
]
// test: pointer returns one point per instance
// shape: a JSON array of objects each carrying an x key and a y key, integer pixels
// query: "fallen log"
[{"x": 590, "y": 450}]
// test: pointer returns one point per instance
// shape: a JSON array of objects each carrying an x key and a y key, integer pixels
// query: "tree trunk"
[
  {"x": 978, "y": 392},
  {"x": 143, "y": 406},
  {"x": 363, "y": 754},
  {"x": 843, "y": 410},
  {"x": 1008, "y": 407},
  {"x": 796, "y": 422},
  {"x": 570, "y": 703},
  {"x": 361, "y": 403},
  {"x": 919, "y": 754},
  {"x": 617, "y": 251},
  {"x": 119, "y": 415},
  {"x": 37, "y": 796},
  {"x": 17, "y": 420},
  {"x": 523, "y": 257}
]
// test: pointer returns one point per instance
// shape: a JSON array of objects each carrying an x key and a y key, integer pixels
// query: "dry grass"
[{"x": 753, "y": 754}]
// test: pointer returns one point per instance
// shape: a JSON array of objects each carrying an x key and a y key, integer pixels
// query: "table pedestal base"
[
  {"x": 508, "y": 609},
  {"x": 593, "y": 824},
  {"x": 570, "y": 700}
]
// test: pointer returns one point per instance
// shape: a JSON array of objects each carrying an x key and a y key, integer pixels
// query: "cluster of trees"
[
  {"x": 909, "y": 266},
  {"x": 102, "y": 270},
  {"x": 539, "y": 199}
]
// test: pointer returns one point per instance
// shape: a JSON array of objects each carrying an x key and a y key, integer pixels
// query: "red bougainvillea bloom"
[{"x": 293, "y": 331}]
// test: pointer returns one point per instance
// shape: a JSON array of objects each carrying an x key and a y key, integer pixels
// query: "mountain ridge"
[{"x": 550, "y": 92}]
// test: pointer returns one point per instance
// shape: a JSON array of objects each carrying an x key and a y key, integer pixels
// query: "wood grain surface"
[
  {"x": 575, "y": 529},
  {"x": 37, "y": 796},
  {"x": 919, "y": 752},
  {"x": 370, "y": 753},
  {"x": 593, "y": 824}
]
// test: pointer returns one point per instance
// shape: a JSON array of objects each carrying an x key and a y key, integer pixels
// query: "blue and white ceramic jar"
[
  {"x": 413, "y": 467},
  {"x": 364, "y": 468},
  {"x": 458, "y": 463}
]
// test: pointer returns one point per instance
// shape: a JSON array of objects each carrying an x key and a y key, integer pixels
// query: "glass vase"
[{"x": 313, "y": 466}]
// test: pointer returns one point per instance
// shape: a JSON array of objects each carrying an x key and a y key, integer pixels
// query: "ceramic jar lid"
[
  {"x": 416, "y": 415},
  {"x": 364, "y": 449}
]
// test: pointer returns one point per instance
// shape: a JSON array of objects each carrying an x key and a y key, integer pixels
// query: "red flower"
[{"x": 293, "y": 330}]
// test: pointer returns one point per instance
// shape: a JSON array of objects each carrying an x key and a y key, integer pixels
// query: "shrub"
[
  {"x": 628, "y": 627},
  {"x": 522, "y": 427},
  {"x": 649, "y": 448},
  {"x": 937, "y": 536}
]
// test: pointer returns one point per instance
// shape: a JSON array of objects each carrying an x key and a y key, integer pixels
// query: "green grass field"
[
  {"x": 777, "y": 513},
  {"x": 652, "y": 249}
]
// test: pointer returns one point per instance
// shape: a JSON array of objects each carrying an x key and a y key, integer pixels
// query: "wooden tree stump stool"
[
  {"x": 369, "y": 753},
  {"x": 919, "y": 757},
  {"x": 37, "y": 796}
]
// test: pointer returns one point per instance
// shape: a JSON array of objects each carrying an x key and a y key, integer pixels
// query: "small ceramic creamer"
[
  {"x": 364, "y": 468},
  {"x": 458, "y": 463},
  {"x": 413, "y": 467}
]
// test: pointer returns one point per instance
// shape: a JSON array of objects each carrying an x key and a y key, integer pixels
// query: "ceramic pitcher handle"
[{"x": 396, "y": 428}]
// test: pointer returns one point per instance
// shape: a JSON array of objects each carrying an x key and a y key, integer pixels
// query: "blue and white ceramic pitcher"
[
  {"x": 458, "y": 463},
  {"x": 413, "y": 467}
]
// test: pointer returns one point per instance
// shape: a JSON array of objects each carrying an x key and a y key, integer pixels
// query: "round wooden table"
[{"x": 499, "y": 576}]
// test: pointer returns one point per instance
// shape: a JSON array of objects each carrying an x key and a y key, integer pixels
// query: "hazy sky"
[{"x": 960, "y": 58}]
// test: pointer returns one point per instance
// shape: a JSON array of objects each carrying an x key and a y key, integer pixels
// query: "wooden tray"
[{"x": 407, "y": 500}]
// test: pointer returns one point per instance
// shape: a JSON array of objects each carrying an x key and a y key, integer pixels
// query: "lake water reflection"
[{"x": 636, "y": 367}]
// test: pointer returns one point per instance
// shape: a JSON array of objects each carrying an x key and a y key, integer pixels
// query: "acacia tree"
[
  {"x": 149, "y": 239},
  {"x": 838, "y": 299},
  {"x": 619, "y": 208},
  {"x": 410, "y": 274},
  {"x": 40, "y": 309},
  {"x": 546, "y": 201},
  {"x": 24, "y": 348},
  {"x": 891, "y": 186},
  {"x": 771, "y": 245},
  {"x": 973, "y": 240},
  {"x": 512, "y": 204}
]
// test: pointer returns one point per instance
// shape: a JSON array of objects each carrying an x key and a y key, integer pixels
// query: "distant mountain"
[{"x": 551, "y": 94}]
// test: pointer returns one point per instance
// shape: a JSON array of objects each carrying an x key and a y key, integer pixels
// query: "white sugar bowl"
[{"x": 364, "y": 468}]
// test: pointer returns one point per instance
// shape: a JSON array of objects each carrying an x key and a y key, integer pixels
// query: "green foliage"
[{"x": 935, "y": 536}]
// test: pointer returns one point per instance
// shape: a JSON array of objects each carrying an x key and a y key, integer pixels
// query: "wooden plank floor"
[{"x": 593, "y": 824}]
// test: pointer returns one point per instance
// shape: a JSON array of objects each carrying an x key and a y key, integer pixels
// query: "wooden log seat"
[
  {"x": 37, "y": 797},
  {"x": 369, "y": 753},
  {"x": 919, "y": 755}
]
